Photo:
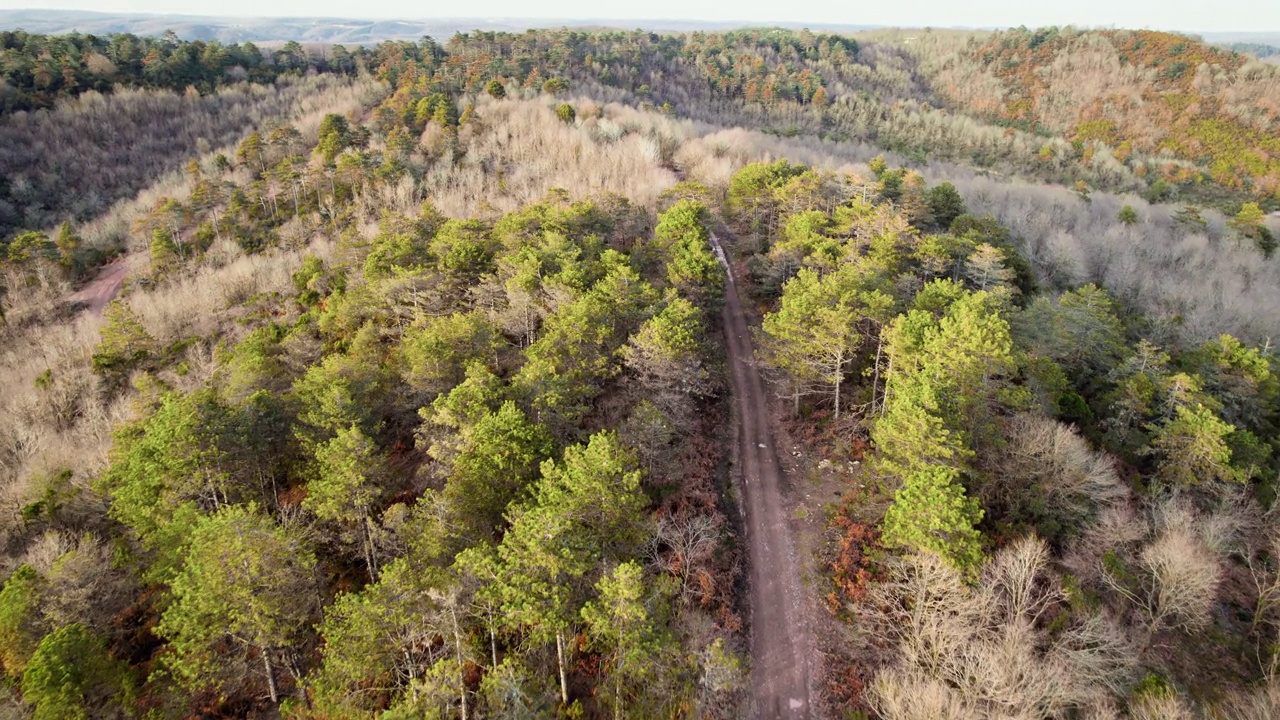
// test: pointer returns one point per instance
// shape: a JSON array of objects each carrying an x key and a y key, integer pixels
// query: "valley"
[{"x": 689, "y": 372}]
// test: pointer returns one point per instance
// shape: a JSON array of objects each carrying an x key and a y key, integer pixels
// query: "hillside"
[
  {"x": 250, "y": 29},
  {"x": 349, "y": 31},
  {"x": 600, "y": 374},
  {"x": 1165, "y": 104}
]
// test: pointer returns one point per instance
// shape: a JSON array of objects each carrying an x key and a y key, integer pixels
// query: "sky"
[{"x": 1187, "y": 15}]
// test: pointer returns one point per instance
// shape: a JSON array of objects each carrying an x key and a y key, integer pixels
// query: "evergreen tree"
[
  {"x": 666, "y": 355},
  {"x": 815, "y": 335},
  {"x": 125, "y": 343},
  {"x": 248, "y": 584},
  {"x": 945, "y": 204},
  {"x": 1193, "y": 447},
  {"x": 931, "y": 513},
  {"x": 20, "y": 626},
  {"x": 348, "y": 482},
  {"x": 587, "y": 510},
  {"x": 379, "y": 642},
  {"x": 498, "y": 460},
  {"x": 628, "y": 624},
  {"x": 165, "y": 255},
  {"x": 68, "y": 244},
  {"x": 334, "y": 136},
  {"x": 71, "y": 676}
]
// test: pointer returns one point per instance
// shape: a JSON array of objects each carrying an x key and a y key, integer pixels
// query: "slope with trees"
[
  {"x": 461, "y": 466},
  {"x": 1211, "y": 113},
  {"x": 1052, "y": 508},
  {"x": 415, "y": 406}
]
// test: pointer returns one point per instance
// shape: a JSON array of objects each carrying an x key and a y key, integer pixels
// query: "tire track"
[{"x": 779, "y": 637}]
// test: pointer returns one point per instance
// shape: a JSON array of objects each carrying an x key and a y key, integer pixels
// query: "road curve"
[
  {"x": 779, "y": 638},
  {"x": 100, "y": 291}
]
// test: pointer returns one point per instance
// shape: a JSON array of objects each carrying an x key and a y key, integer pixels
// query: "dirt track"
[
  {"x": 779, "y": 636},
  {"x": 103, "y": 288}
]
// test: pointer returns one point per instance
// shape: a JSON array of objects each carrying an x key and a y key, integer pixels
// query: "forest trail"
[
  {"x": 779, "y": 634},
  {"x": 105, "y": 287}
]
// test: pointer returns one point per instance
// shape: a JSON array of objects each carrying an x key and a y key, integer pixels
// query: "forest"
[{"x": 468, "y": 379}]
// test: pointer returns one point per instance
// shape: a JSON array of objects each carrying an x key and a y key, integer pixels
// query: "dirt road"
[
  {"x": 105, "y": 287},
  {"x": 779, "y": 636}
]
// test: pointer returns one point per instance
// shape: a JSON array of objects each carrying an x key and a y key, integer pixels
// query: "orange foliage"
[
  {"x": 852, "y": 570},
  {"x": 1141, "y": 92}
]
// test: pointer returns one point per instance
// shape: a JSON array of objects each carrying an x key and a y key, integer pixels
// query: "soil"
[
  {"x": 103, "y": 288},
  {"x": 781, "y": 643}
]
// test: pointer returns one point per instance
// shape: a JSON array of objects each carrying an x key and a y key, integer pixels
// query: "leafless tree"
[{"x": 1173, "y": 583}]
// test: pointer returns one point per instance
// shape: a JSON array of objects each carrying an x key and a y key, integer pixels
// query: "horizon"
[{"x": 378, "y": 13}]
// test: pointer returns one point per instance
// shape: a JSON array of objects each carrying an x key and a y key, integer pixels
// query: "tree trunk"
[
  {"x": 564, "y": 685},
  {"x": 271, "y": 678},
  {"x": 875, "y": 380},
  {"x": 298, "y": 685},
  {"x": 370, "y": 557},
  {"x": 839, "y": 377},
  {"x": 493, "y": 641},
  {"x": 617, "y": 687},
  {"x": 884, "y": 401},
  {"x": 457, "y": 648}
]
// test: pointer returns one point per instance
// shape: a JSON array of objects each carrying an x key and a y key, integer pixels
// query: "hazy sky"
[{"x": 1206, "y": 15}]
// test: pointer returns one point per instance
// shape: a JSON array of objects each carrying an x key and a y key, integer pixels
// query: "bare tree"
[
  {"x": 1173, "y": 583},
  {"x": 907, "y": 695},
  {"x": 1047, "y": 464},
  {"x": 1260, "y": 703},
  {"x": 984, "y": 651},
  {"x": 690, "y": 540}
]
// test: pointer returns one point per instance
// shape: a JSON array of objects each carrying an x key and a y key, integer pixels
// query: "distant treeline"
[
  {"x": 1258, "y": 50},
  {"x": 37, "y": 70},
  {"x": 1001, "y": 101}
]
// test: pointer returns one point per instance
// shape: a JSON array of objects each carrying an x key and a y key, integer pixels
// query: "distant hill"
[
  {"x": 1155, "y": 93},
  {"x": 1258, "y": 50},
  {"x": 230, "y": 29},
  {"x": 318, "y": 29},
  {"x": 1271, "y": 38}
]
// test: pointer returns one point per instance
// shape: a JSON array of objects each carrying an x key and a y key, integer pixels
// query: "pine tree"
[
  {"x": 624, "y": 623},
  {"x": 666, "y": 354},
  {"x": 1193, "y": 447},
  {"x": 814, "y": 336},
  {"x": 384, "y": 634},
  {"x": 347, "y": 485},
  {"x": 165, "y": 257},
  {"x": 496, "y": 464},
  {"x": 125, "y": 343},
  {"x": 334, "y": 136},
  {"x": 945, "y": 204},
  {"x": 246, "y": 583},
  {"x": 943, "y": 378},
  {"x": 586, "y": 510},
  {"x": 692, "y": 268},
  {"x": 251, "y": 152},
  {"x": 931, "y": 513},
  {"x": 20, "y": 623},
  {"x": 72, "y": 676},
  {"x": 68, "y": 244}
]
